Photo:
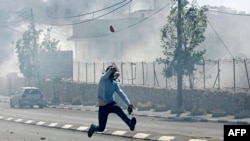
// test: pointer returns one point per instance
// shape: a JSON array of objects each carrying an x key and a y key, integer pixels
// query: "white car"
[{"x": 27, "y": 96}]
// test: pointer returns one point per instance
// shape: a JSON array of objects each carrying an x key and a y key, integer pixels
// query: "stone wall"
[{"x": 209, "y": 100}]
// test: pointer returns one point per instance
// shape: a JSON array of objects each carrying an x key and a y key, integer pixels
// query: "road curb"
[
  {"x": 172, "y": 117},
  {"x": 114, "y": 132},
  {"x": 124, "y": 133}
]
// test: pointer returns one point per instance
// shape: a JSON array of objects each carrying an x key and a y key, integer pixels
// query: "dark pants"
[{"x": 104, "y": 112}]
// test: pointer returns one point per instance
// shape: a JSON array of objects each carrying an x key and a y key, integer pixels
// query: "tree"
[
  {"x": 28, "y": 49},
  {"x": 181, "y": 36}
]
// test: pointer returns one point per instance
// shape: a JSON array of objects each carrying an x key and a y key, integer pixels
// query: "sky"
[{"x": 240, "y": 5}]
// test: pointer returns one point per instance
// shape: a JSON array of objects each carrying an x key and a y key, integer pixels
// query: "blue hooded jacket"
[{"x": 107, "y": 88}]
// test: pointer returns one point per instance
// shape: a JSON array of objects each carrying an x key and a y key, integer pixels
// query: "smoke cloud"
[{"x": 145, "y": 44}]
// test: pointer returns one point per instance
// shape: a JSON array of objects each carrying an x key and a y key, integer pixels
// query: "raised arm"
[
  {"x": 109, "y": 70},
  {"x": 106, "y": 74}
]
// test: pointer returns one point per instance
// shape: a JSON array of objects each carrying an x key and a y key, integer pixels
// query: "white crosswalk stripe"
[
  {"x": 19, "y": 120},
  {"x": 166, "y": 138},
  {"x": 53, "y": 124},
  {"x": 119, "y": 132},
  {"x": 196, "y": 140},
  {"x": 141, "y": 135},
  {"x": 40, "y": 123},
  {"x": 9, "y": 118},
  {"x": 82, "y": 128},
  {"x": 28, "y": 121},
  {"x": 67, "y": 126}
]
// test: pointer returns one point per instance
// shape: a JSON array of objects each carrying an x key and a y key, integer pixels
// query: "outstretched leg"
[
  {"x": 102, "y": 117},
  {"x": 117, "y": 109}
]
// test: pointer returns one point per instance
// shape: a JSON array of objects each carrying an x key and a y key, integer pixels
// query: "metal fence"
[{"x": 211, "y": 74}]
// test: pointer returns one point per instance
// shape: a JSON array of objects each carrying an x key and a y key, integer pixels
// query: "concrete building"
[
  {"x": 136, "y": 23},
  {"x": 94, "y": 42}
]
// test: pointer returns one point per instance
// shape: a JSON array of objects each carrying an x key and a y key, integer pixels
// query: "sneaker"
[
  {"x": 132, "y": 124},
  {"x": 91, "y": 130}
]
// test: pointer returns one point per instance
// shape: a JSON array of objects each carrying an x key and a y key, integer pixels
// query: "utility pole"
[
  {"x": 179, "y": 51},
  {"x": 33, "y": 28},
  {"x": 34, "y": 49}
]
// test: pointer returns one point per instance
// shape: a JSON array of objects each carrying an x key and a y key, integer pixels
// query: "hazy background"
[
  {"x": 240, "y": 5},
  {"x": 229, "y": 32}
]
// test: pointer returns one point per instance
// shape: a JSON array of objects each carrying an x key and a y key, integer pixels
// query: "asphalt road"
[
  {"x": 22, "y": 132},
  {"x": 147, "y": 124}
]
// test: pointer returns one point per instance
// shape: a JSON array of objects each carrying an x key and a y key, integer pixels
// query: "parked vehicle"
[{"x": 27, "y": 96}]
